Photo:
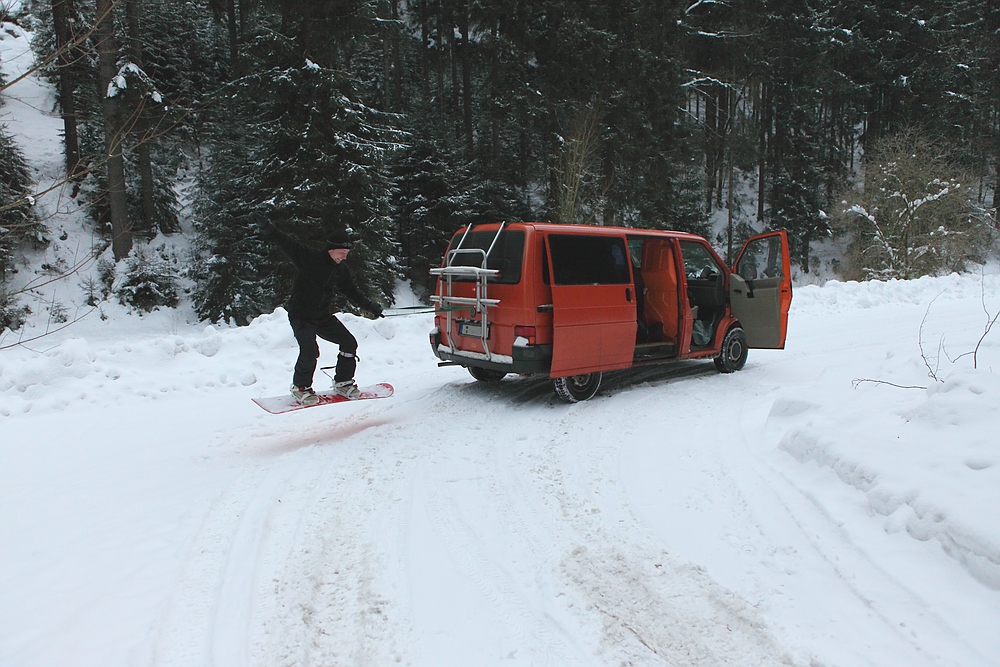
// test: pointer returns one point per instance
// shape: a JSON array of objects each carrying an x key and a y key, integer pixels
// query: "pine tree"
[
  {"x": 17, "y": 220},
  {"x": 294, "y": 141},
  {"x": 430, "y": 204}
]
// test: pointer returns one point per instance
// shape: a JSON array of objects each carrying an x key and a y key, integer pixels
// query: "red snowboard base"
[{"x": 276, "y": 405}]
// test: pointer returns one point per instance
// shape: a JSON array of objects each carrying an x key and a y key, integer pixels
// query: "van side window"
[
  {"x": 698, "y": 262},
  {"x": 507, "y": 254},
  {"x": 761, "y": 259},
  {"x": 589, "y": 260}
]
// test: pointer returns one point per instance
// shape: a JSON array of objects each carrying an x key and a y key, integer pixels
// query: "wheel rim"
[
  {"x": 735, "y": 351},
  {"x": 576, "y": 388}
]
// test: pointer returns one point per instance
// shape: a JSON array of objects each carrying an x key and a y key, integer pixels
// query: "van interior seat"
[{"x": 659, "y": 273}]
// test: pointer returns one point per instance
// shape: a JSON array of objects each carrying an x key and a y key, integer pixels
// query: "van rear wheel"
[
  {"x": 734, "y": 351},
  {"x": 486, "y": 374},
  {"x": 577, "y": 387}
]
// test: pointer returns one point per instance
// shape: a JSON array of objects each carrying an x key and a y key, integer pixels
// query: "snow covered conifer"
[
  {"x": 430, "y": 204},
  {"x": 295, "y": 141},
  {"x": 17, "y": 221},
  {"x": 148, "y": 281}
]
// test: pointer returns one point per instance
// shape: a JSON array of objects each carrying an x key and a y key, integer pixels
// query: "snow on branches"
[{"x": 914, "y": 217}]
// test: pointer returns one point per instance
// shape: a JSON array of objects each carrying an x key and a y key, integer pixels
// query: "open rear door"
[
  {"x": 593, "y": 303},
  {"x": 760, "y": 289}
]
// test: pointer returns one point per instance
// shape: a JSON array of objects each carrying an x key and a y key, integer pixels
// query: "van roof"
[{"x": 585, "y": 229}]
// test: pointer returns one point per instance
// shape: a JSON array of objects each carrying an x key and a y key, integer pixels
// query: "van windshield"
[{"x": 507, "y": 255}]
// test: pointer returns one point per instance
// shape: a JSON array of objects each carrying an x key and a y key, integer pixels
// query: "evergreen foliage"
[
  {"x": 18, "y": 223},
  {"x": 183, "y": 63},
  {"x": 406, "y": 120},
  {"x": 148, "y": 281},
  {"x": 17, "y": 219},
  {"x": 312, "y": 157},
  {"x": 430, "y": 205}
]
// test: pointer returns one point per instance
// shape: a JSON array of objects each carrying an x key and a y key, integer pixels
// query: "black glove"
[
  {"x": 375, "y": 309},
  {"x": 261, "y": 222}
]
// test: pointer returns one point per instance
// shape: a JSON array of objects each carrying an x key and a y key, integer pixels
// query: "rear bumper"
[{"x": 524, "y": 359}]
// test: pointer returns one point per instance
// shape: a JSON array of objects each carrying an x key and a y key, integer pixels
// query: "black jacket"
[{"x": 317, "y": 279}]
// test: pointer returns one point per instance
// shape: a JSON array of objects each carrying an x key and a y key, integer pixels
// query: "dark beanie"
[{"x": 338, "y": 239}]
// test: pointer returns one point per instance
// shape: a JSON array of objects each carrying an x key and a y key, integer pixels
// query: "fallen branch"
[{"x": 855, "y": 382}]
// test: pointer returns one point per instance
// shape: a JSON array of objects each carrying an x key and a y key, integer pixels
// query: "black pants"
[{"x": 328, "y": 328}]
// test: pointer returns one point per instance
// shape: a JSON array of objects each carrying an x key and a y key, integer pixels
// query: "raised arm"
[{"x": 292, "y": 248}]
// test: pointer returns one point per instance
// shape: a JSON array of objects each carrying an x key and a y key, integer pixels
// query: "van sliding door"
[{"x": 593, "y": 299}]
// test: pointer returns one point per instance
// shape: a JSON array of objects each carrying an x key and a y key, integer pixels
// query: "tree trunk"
[
  {"x": 993, "y": 28},
  {"x": 397, "y": 61},
  {"x": 61, "y": 10},
  {"x": 425, "y": 68},
  {"x": 234, "y": 42},
  {"x": 722, "y": 138},
  {"x": 711, "y": 122},
  {"x": 466, "y": 78},
  {"x": 140, "y": 126},
  {"x": 107, "y": 50},
  {"x": 764, "y": 119},
  {"x": 440, "y": 55},
  {"x": 386, "y": 67}
]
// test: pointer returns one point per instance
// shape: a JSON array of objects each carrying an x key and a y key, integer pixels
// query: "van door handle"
[{"x": 628, "y": 294}]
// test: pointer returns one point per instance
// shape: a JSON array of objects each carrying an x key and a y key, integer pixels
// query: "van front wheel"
[
  {"x": 577, "y": 387},
  {"x": 486, "y": 374},
  {"x": 734, "y": 351}
]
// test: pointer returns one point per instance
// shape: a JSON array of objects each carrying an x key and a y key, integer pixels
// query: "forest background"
[{"x": 874, "y": 123}]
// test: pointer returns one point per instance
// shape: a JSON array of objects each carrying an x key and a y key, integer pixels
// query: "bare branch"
[
  {"x": 858, "y": 381},
  {"x": 48, "y": 332},
  {"x": 932, "y": 372}
]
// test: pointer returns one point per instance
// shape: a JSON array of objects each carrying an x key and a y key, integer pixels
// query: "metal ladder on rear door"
[{"x": 481, "y": 303}]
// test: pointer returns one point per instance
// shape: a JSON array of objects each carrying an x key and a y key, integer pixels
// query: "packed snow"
[
  {"x": 803, "y": 511},
  {"x": 833, "y": 504}
]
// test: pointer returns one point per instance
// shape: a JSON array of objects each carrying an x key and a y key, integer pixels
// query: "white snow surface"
[
  {"x": 151, "y": 514},
  {"x": 831, "y": 505}
]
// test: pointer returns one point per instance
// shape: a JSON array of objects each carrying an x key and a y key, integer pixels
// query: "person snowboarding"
[{"x": 319, "y": 274}]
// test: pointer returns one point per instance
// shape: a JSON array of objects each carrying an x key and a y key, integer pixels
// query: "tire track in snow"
[
  {"x": 282, "y": 560},
  {"x": 496, "y": 572},
  {"x": 207, "y": 619},
  {"x": 337, "y": 598},
  {"x": 652, "y": 609},
  {"x": 554, "y": 498}
]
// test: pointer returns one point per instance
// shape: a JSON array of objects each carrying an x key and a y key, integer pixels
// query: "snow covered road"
[{"x": 150, "y": 514}]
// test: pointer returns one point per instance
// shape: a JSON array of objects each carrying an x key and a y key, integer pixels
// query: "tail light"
[{"x": 525, "y": 332}]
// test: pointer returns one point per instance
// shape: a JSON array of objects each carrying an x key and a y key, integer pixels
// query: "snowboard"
[{"x": 277, "y": 405}]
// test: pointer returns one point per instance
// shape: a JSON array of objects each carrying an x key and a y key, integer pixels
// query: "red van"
[{"x": 574, "y": 301}]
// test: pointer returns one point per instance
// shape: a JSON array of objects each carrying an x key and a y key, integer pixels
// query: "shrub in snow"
[
  {"x": 148, "y": 281},
  {"x": 12, "y": 315},
  {"x": 97, "y": 288},
  {"x": 916, "y": 215}
]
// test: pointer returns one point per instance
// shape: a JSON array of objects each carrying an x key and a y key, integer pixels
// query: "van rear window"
[
  {"x": 589, "y": 260},
  {"x": 507, "y": 255}
]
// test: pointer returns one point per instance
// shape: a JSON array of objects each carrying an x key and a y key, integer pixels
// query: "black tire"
[
  {"x": 486, "y": 374},
  {"x": 734, "y": 351},
  {"x": 577, "y": 388}
]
